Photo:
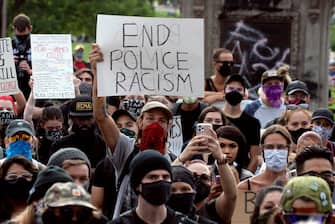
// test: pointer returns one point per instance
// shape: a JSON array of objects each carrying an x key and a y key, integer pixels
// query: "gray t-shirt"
[{"x": 126, "y": 198}]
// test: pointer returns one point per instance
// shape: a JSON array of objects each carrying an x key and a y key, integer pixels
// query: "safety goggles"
[{"x": 20, "y": 136}]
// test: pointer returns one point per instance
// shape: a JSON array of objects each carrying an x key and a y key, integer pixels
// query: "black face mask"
[
  {"x": 156, "y": 193},
  {"x": 297, "y": 133},
  {"x": 54, "y": 135},
  {"x": 216, "y": 126},
  {"x": 226, "y": 68},
  {"x": 22, "y": 38},
  {"x": 181, "y": 202},
  {"x": 203, "y": 190},
  {"x": 234, "y": 97},
  {"x": 83, "y": 130},
  {"x": 18, "y": 190},
  {"x": 6, "y": 117}
]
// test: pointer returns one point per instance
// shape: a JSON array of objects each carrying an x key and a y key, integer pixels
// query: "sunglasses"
[
  {"x": 292, "y": 218},
  {"x": 21, "y": 136},
  {"x": 297, "y": 106},
  {"x": 66, "y": 214},
  {"x": 202, "y": 177}
]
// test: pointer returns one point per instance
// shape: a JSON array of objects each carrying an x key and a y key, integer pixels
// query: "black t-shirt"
[
  {"x": 105, "y": 177},
  {"x": 188, "y": 118},
  {"x": 131, "y": 217},
  {"x": 92, "y": 145},
  {"x": 249, "y": 126}
]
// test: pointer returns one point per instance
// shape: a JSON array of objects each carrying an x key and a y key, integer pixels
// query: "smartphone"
[
  {"x": 203, "y": 128},
  {"x": 292, "y": 173},
  {"x": 218, "y": 179}
]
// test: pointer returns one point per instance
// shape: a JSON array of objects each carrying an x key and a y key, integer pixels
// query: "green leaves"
[{"x": 76, "y": 16}]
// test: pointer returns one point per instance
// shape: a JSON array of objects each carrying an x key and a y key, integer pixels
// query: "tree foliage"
[{"x": 73, "y": 16}]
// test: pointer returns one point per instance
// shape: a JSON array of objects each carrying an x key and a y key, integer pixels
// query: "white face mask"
[
  {"x": 324, "y": 133},
  {"x": 275, "y": 159}
]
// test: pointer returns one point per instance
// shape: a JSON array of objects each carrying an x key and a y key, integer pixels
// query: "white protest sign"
[
  {"x": 8, "y": 81},
  {"x": 52, "y": 66},
  {"x": 175, "y": 138},
  {"x": 152, "y": 56}
]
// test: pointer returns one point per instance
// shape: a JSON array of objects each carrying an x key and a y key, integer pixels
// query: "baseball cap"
[
  {"x": 156, "y": 105},
  {"x": 297, "y": 86},
  {"x": 67, "y": 194},
  {"x": 323, "y": 113},
  {"x": 144, "y": 162},
  {"x": 236, "y": 78},
  {"x": 19, "y": 125},
  {"x": 79, "y": 47},
  {"x": 45, "y": 179},
  {"x": 81, "y": 106},
  {"x": 310, "y": 187},
  {"x": 121, "y": 112},
  {"x": 269, "y": 74}
]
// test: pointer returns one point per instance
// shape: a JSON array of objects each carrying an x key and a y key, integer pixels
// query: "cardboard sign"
[
  {"x": 175, "y": 139},
  {"x": 245, "y": 203},
  {"x": 52, "y": 66},
  {"x": 8, "y": 81},
  {"x": 153, "y": 56}
]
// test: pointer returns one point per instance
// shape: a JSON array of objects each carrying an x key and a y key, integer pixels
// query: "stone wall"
[{"x": 267, "y": 34}]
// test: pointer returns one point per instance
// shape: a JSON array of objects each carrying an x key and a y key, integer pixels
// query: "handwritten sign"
[
  {"x": 245, "y": 203},
  {"x": 153, "y": 56},
  {"x": 52, "y": 66},
  {"x": 8, "y": 81},
  {"x": 175, "y": 138}
]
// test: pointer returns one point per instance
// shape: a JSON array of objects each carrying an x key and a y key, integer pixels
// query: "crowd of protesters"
[{"x": 106, "y": 160}]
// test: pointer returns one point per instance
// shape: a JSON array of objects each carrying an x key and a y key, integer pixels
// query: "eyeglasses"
[
  {"x": 13, "y": 178},
  {"x": 293, "y": 218},
  {"x": 21, "y": 136},
  {"x": 323, "y": 175},
  {"x": 279, "y": 146},
  {"x": 202, "y": 177}
]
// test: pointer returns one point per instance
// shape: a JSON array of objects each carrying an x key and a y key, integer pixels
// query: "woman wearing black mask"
[
  {"x": 50, "y": 130},
  {"x": 297, "y": 122},
  {"x": 183, "y": 191},
  {"x": 17, "y": 176}
]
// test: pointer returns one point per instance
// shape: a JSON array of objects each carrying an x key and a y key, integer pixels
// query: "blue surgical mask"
[
  {"x": 275, "y": 159},
  {"x": 19, "y": 148},
  {"x": 324, "y": 133}
]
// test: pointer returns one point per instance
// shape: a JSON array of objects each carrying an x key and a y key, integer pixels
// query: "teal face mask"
[{"x": 129, "y": 133}]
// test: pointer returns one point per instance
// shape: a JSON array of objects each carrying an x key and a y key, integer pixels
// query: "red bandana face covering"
[{"x": 153, "y": 138}]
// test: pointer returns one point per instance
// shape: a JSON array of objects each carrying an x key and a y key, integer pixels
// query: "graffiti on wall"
[{"x": 256, "y": 46}]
